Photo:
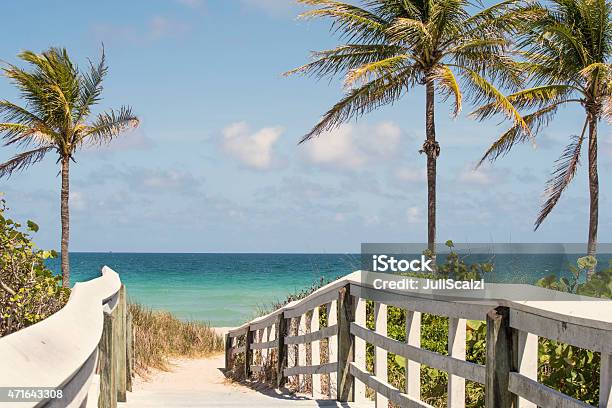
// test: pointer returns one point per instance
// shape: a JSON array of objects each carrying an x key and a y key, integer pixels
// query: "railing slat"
[
  {"x": 380, "y": 354},
  {"x": 392, "y": 393},
  {"x": 310, "y": 337},
  {"x": 311, "y": 369},
  {"x": 311, "y": 303},
  {"x": 360, "y": 348},
  {"x": 527, "y": 361},
  {"x": 413, "y": 368},
  {"x": 456, "y": 349},
  {"x": 465, "y": 369},
  {"x": 580, "y": 336},
  {"x": 605, "y": 381},
  {"x": 332, "y": 344},
  {"x": 462, "y": 310},
  {"x": 264, "y": 345},
  {"x": 540, "y": 394},
  {"x": 301, "y": 358},
  {"x": 315, "y": 350}
]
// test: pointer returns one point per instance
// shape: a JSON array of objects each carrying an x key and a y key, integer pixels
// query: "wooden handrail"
[
  {"x": 67, "y": 350},
  {"x": 512, "y": 334}
]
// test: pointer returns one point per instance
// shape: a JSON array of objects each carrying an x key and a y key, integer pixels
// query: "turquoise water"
[
  {"x": 222, "y": 289},
  {"x": 228, "y": 289}
]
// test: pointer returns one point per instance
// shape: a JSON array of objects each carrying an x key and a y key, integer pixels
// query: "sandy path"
[{"x": 201, "y": 383}]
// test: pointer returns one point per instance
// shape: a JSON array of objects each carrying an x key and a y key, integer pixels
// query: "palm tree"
[
  {"x": 58, "y": 102},
  {"x": 567, "y": 51},
  {"x": 394, "y": 45}
]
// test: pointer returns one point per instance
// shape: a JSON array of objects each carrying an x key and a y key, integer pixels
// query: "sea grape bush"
[
  {"x": 29, "y": 291},
  {"x": 569, "y": 369}
]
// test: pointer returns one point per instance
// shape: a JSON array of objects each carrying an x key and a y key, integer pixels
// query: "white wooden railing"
[
  {"x": 85, "y": 350},
  {"x": 513, "y": 328}
]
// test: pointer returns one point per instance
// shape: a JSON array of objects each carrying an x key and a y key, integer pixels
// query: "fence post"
[
  {"x": 346, "y": 344},
  {"x": 121, "y": 345},
  {"x": 228, "y": 351},
  {"x": 248, "y": 353},
  {"x": 107, "y": 363},
  {"x": 281, "y": 361},
  {"x": 129, "y": 367},
  {"x": 499, "y": 359}
]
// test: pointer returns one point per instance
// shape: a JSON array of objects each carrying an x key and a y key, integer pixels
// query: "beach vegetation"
[
  {"x": 566, "y": 51},
  {"x": 568, "y": 369},
  {"x": 161, "y": 336},
  {"x": 29, "y": 291},
  {"x": 56, "y": 117},
  {"x": 392, "y": 47}
]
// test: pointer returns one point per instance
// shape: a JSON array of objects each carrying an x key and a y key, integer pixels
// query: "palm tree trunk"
[
  {"x": 593, "y": 189},
  {"x": 65, "y": 218},
  {"x": 432, "y": 149}
]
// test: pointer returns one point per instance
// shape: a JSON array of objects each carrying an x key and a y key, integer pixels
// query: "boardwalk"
[{"x": 201, "y": 383}]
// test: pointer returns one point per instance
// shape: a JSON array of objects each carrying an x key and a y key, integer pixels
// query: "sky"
[{"x": 215, "y": 165}]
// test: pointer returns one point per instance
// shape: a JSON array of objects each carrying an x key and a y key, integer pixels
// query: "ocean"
[
  {"x": 228, "y": 289},
  {"x": 224, "y": 290}
]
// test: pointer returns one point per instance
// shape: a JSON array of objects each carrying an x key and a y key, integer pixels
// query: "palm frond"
[
  {"x": 23, "y": 160},
  {"x": 449, "y": 86},
  {"x": 409, "y": 31},
  {"x": 351, "y": 22},
  {"x": 536, "y": 121},
  {"x": 537, "y": 97},
  {"x": 376, "y": 69},
  {"x": 108, "y": 125},
  {"x": 606, "y": 108},
  {"x": 563, "y": 174},
  {"x": 379, "y": 92},
  {"x": 344, "y": 58},
  {"x": 483, "y": 90},
  {"x": 90, "y": 88}
]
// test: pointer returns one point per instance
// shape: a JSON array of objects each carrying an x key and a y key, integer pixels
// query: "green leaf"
[{"x": 32, "y": 226}]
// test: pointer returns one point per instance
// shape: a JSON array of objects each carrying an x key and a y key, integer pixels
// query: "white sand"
[{"x": 201, "y": 383}]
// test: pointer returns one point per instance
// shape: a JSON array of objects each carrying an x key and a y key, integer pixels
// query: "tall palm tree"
[
  {"x": 58, "y": 102},
  {"x": 393, "y": 45},
  {"x": 567, "y": 53}
]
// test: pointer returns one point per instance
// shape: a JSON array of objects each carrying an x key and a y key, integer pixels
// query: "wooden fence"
[
  {"x": 85, "y": 350},
  {"x": 293, "y": 335}
]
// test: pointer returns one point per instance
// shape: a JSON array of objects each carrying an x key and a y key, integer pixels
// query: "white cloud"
[
  {"x": 414, "y": 215},
  {"x": 336, "y": 148},
  {"x": 482, "y": 176},
  {"x": 78, "y": 201},
  {"x": 130, "y": 140},
  {"x": 254, "y": 150},
  {"x": 351, "y": 147},
  {"x": 161, "y": 26},
  {"x": 156, "y": 28}
]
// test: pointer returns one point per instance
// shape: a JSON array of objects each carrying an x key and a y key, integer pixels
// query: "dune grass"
[{"x": 160, "y": 336}]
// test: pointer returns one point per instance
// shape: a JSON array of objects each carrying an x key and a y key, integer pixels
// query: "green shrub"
[
  {"x": 570, "y": 369},
  {"x": 29, "y": 291}
]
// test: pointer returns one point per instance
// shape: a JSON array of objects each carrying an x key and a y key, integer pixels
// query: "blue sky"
[{"x": 214, "y": 166}]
